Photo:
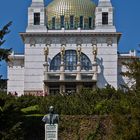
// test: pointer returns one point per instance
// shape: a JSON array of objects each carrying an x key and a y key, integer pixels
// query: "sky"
[{"x": 126, "y": 14}]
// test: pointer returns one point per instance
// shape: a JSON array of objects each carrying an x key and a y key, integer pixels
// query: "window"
[
  {"x": 71, "y": 22},
  {"x": 70, "y": 60},
  {"x": 104, "y": 18},
  {"x": 55, "y": 63},
  {"x": 62, "y": 21},
  {"x": 85, "y": 63},
  {"x": 36, "y": 18},
  {"x": 81, "y": 21},
  {"x": 53, "y": 23},
  {"x": 90, "y": 22}
]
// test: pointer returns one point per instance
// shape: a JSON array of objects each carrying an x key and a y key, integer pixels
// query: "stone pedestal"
[
  {"x": 62, "y": 76},
  {"x": 51, "y": 131},
  {"x": 46, "y": 66},
  {"x": 62, "y": 69},
  {"x": 46, "y": 76},
  {"x": 78, "y": 76},
  {"x": 94, "y": 77},
  {"x": 95, "y": 70},
  {"x": 46, "y": 90}
]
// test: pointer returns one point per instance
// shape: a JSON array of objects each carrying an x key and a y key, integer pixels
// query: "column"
[
  {"x": 78, "y": 87},
  {"x": 94, "y": 65},
  {"x": 46, "y": 90},
  {"x": 78, "y": 76},
  {"x": 62, "y": 89},
  {"x": 62, "y": 66}
]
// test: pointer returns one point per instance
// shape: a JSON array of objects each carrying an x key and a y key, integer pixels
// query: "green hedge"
[{"x": 22, "y": 116}]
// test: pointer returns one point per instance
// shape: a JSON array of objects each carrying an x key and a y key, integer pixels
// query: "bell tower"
[
  {"x": 104, "y": 18},
  {"x": 36, "y": 17}
]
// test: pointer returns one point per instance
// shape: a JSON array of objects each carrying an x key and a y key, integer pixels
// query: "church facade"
[{"x": 69, "y": 44}]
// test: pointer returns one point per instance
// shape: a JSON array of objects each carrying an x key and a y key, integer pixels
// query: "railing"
[{"x": 70, "y": 76}]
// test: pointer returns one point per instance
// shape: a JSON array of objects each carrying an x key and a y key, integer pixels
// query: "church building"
[{"x": 69, "y": 45}]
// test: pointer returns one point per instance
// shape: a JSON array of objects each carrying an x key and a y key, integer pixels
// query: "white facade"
[
  {"x": 85, "y": 57},
  {"x": 16, "y": 74}
]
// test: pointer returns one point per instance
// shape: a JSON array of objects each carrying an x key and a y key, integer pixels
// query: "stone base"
[{"x": 51, "y": 132}]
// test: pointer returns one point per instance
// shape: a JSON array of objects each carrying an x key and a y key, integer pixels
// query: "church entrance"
[{"x": 68, "y": 87}]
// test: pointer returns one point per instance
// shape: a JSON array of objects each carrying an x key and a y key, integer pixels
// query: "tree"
[
  {"x": 10, "y": 118},
  {"x": 3, "y": 84},
  {"x": 4, "y": 53},
  {"x": 133, "y": 71}
]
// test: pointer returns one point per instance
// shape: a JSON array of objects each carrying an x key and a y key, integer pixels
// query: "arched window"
[
  {"x": 70, "y": 61},
  {"x": 55, "y": 63}
]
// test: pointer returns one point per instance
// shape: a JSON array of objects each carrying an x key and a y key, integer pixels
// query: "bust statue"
[{"x": 51, "y": 118}]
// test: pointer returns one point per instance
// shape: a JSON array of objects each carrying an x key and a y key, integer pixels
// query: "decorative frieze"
[
  {"x": 78, "y": 41},
  {"x": 94, "y": 41},
  {"x": 47, "y": 42},
  {"x": 32, "y": 42},
  {"x": 63, "y": 41},
  {"x": 109, "y": 41}
]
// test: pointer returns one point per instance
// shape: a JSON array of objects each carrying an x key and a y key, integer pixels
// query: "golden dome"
[{"x": 75, "y": 9}]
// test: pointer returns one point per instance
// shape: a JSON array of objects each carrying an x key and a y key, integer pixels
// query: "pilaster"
[{"x": 62, "y": 66}]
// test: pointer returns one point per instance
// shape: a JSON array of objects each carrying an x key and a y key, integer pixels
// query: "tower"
[
  {"x": 36, "y": 17},
  {"x": 107, "y": 44},
  {"x": 34, "y": 46},
  {"x": 104, "y": 18}
]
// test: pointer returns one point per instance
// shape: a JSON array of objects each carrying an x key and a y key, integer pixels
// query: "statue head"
[{"x": 51, "y": 109}]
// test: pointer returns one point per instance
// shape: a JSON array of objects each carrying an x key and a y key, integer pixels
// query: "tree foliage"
[
  {"x": 119, "y": 109},
  {"x": 10, "y": 117},
  {"x": 4, "y": 53},
  {"x": 133, "y": 71},
  {"x": 3, "y": 84}
]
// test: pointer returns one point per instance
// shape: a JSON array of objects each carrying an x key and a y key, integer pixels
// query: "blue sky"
[{"x": 127, "y": 21}]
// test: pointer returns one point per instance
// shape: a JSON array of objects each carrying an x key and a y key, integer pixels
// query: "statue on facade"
[
  {"x": 78, "y": 53},
  {"x": 46, "y": 52},
  {"x": 94, "y": 52},
  {"x": 62, "y": 53},
  {"x": 51, "y": 118}
]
